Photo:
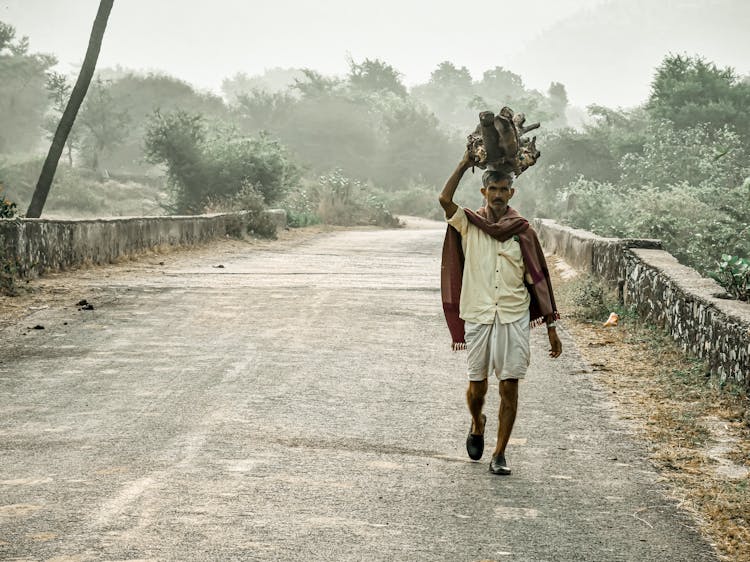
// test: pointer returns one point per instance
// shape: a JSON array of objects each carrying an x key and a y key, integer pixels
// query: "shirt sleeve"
[{"x": 459, "y": 221}]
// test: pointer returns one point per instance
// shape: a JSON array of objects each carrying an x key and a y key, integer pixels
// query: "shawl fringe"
[{"x": 540, "y": 321}]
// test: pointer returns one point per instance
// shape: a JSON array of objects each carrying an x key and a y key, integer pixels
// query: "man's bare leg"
[
  {"x": 507, "y": 414},
  {"x": 475, "y": 399}
]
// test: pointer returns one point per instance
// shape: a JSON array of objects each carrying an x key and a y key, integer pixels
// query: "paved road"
[{"x": 302, "y": 404}]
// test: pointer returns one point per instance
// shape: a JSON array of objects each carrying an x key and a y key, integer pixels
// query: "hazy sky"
[{"x": 604, "y": 51}]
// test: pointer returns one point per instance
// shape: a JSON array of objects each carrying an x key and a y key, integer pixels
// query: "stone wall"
[
  {"x": 34, "y": 246},
  {"x": 665, "y": 293}
]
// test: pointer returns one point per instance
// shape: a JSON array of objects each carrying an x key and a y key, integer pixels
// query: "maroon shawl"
[{"x": 511, "y": 224}]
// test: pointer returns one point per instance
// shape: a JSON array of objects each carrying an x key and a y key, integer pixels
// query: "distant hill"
[{"x": 607, "y": 54}]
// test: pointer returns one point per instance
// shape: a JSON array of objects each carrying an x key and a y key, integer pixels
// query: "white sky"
[{"x": 203, "y": 42}]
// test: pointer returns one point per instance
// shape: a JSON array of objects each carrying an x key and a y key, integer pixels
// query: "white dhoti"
[{"x": 503, "y": 348}]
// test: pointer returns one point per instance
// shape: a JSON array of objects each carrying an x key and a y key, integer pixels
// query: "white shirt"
[{"x": 493, "y": 276}]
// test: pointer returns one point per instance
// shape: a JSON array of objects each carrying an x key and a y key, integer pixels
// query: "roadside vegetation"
[
  {"x": 352, "y": 149},
  {"x": 362, "y": 147},
  {"x": 698, "y": 432},
  {"x": 676, "y": 168}
]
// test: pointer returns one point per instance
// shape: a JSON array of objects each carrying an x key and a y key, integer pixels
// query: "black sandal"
[
  {"x": 498, "y": 465},
  {"x": 475, "y": 443}
]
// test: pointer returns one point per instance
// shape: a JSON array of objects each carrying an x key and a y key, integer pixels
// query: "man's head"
[{"x": 497, "y": 190}]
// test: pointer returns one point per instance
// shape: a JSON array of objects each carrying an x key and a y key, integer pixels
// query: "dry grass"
[{"x": 699, "y": 433}]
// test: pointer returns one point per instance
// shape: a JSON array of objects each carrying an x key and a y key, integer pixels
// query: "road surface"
[{"x": 302, "y": 403}]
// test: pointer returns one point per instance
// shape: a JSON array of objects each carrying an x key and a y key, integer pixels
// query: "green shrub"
[
  {"x": 301, "y": 206},
  {"x": 734, "y": 275},
  {"x": 700, "y": 155},
  {"x": 590, "y": 298},
  {"x": 347, "y": 202},
  {"x": 7, "y": 207},
  {"x": 205, "y": 164},
  {"x": 632, "y": 174},
  {"x": 417, "y": 200},
  {"x": 691, "y": 221},
  {"x": 251, "y": 201},
  {"x": 301, "y": 219}
]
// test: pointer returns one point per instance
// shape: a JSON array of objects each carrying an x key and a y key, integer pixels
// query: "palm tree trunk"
[{"x": 71, "y": 110}]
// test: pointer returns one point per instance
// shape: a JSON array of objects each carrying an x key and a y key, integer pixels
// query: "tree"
[
  {"x": 326, "y": 125},
  {"x": 690, "y": 90},
  {"x": 700, "y": 156},
  {"x": 103, "y": 124},
  {"x": 58, "y": 91},
  {"x": 314, "y": 84},
  {"x": 138, "y": 96},
  {"x": 367, "y": 126},
  {"x": 500, "y": 84},
  {"x": 7, "y": 34},
  {"x": 23, "y": 99},
  {"x": 211, "y": 164},
  {"x": 176, "y": 140},
  {"x": 71, "y": 110},
  {"x": 273, "y": 80},
  {"x": 450, "y": 94},
  {"x": 447, "y": 75},
  {"x": 558, "y": 100},
  {"x": 375, "y": 76},
  {"x": 333, "y": 130},
  {"x": 593, "y": 153},
  {"x": 415, "y": 148},
  {"x": 263, "y": 111}
]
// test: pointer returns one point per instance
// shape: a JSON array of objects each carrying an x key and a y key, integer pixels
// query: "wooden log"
[
  {"x": 490, "y": 137},
  {"x": 497, "y": 143}
]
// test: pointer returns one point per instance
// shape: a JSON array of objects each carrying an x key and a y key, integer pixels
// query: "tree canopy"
[
  {"x": 23, "y": 96},
  {"x": 374, "y": 76},
  {"x": 688, "y": 90}
]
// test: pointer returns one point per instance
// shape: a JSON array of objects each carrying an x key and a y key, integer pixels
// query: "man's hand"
[
  {"x": 554, "y": 342},
  {"x": 446, "y": 196},
  {"x": 467, "y": 161}
]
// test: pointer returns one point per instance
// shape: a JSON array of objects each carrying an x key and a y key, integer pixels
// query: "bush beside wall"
[{"x": 663, "y": 292}]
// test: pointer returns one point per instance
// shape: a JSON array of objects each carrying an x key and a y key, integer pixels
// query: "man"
[{"x": 495, "y": 285}]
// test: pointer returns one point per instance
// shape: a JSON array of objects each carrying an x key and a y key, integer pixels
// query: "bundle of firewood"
[{"x": 498, "y": 143}]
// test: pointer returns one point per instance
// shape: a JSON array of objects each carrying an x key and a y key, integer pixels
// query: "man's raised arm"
[{"x": 446, "y": 196}]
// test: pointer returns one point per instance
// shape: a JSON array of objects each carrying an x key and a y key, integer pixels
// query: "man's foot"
[
  {"x": 498, "y": 465},
  {"x": 475, "y": 442}
]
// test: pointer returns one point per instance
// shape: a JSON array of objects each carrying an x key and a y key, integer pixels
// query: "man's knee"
[
  {"x": 509, "y": 390},
  {"x": 477, "y": 389}
]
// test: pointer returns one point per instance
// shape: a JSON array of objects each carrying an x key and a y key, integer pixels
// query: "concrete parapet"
[
  {"x": 34, "y": 246},
  {"x": 665, "y": 293}
]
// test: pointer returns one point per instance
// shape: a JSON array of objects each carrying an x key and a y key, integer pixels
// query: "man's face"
[{"x": 497, "y": 194}]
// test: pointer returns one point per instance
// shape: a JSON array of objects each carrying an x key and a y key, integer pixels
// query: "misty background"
[
  {"x": 348, "y": 114},
  {"x": 604, "y": 51}
]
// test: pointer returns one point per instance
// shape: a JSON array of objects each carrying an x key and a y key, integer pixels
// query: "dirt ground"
[{"x": 698, "y": 434}]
